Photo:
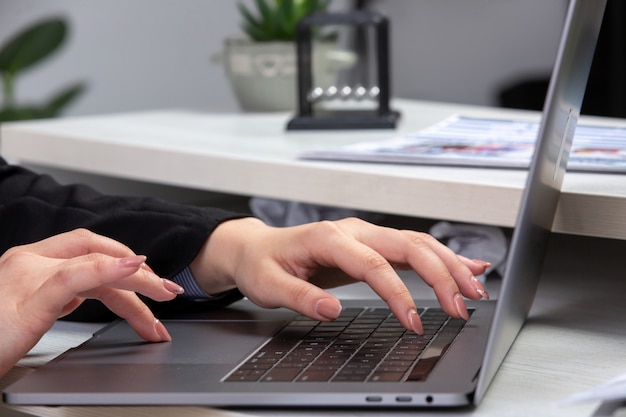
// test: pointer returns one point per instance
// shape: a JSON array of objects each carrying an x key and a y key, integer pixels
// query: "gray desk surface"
[
  {"x": 573, "y": 340},
  {"x": 252, "y": 155}
]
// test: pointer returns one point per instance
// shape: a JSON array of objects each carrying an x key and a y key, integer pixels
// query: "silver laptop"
[{"x": 245, "y": 356}]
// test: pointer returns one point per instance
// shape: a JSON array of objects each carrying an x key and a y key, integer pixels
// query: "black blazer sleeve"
[{"x": 33, "y": 207}]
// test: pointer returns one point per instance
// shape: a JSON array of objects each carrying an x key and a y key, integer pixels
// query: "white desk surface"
[
  {"x": 573, "y": 340},
  {"x": 253, "y": 155}
]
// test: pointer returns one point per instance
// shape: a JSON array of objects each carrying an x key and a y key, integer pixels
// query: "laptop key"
[
  {"x": 281, "y": 374},
  {"x": 357, "y": 347}
]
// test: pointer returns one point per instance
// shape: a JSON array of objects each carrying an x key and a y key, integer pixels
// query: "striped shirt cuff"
[{"x": 192, "y": 289}]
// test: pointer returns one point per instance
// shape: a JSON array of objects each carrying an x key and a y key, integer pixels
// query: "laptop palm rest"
[
  {"x": 216, "y": 339},
  {"x": 199, "y": 348}
]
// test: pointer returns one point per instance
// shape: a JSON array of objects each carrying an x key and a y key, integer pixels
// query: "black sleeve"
[{"x": 33, "y": 207}]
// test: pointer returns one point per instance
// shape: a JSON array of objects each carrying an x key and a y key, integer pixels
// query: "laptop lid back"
[{"x": 539, "y": 202}]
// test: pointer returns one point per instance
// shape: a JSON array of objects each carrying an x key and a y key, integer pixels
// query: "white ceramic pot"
[{"x": 264, "y": 74}]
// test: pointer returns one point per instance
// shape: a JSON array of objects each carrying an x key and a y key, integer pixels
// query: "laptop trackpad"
[{"x": 193, "y": 342}]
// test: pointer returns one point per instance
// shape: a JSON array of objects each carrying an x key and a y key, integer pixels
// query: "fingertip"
[
  {"x": 461, "y": 308},
  {"x": 134, "y": 261},
  {"x": 479, "y": 288},
  {"x": 328, "y": 308},
  {"x": 415, "y": 322},
  {"x": 172, "y": 287},
  {"x": 480, "y": 262},
  {"x": 162, "y": 331}
]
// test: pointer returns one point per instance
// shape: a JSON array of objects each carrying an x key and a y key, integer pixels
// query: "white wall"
[
  {"x": 134, "y": 54},
  {"x": 465, "y": 50},
  {"x": 146, "y": 54}
]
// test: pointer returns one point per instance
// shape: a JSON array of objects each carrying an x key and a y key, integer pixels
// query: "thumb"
[{"x": 285, "y": 290}]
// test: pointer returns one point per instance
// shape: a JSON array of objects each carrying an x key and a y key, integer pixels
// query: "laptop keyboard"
[{"x": 361, "y": 345}]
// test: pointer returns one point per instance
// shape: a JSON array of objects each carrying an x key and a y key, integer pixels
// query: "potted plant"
[
  {"x": 25, "y": 50},
  {"x": 262, "y": 67}
]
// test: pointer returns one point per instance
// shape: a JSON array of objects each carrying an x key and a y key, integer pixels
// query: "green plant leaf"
[
  {"x": 250, "y": 25},
  {"x": 62, "y": 99},
  {"x": 277, "y": 20},
  {"x": 32, "y": 45},
  {"x": 285, "y": 18},
  {"x": 257, "y": 34},
  {"x": 21, "y": 113},
  {"x": 266, "y": 18}
]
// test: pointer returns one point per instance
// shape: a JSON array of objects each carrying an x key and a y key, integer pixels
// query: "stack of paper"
[{"x": 466, "y": 141}]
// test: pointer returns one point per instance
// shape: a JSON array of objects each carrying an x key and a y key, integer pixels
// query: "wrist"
[{"x": 215, "y": 265}]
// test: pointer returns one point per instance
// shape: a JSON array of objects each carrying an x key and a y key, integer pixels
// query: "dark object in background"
[{"x": 606, "y": 88}]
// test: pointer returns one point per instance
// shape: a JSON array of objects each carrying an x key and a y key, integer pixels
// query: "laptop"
[{"x": 245, "y": 356}]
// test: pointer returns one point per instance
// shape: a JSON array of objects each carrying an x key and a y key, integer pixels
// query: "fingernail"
[
  {"x": 171, "y": 286},
  {"x": 461, "y": 308},
  {"x": 162, "y": 331},
  {"x": 486, "y": 264},
  {"x": 328, "y": 308},
  {"x": 480, "y": 289},
  {"x": 132, "y": 261},
  {"x": 482, "y": 263},
  {"x": 416, "y": 322}
]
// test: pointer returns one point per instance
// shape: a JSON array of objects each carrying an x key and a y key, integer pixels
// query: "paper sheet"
[
  {"x": 612, "y": 390},
  {"x": 502, "y": 143}
]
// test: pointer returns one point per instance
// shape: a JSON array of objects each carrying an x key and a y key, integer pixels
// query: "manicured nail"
[
  {"x": 480, "y": 289},
  {"x": 461, "y": 308},
  {"x": 132, "y": 261},
  {"x": 482, "y": 263},
  {"x": 328, "y": 308},
  {"x": 171, "y": 286},
  {"x": 162, "y": 331},
  {"x": 416, "y": 322}
]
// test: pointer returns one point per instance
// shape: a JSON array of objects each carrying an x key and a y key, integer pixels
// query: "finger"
[
  {"x": 129, "y": 307},
  {"x": 76, "y": 243},
  {"x": 61, "y": 290},
  {"x": 461, "y": 269},
  {"x": 82, "y": 242},
  {"x": 281, "y": 289},
  {"x": 86, "y": 273},
  {"x": 436, "y": 264},
  {"x": 330, "y": 246},
  {"x": 477, "y": 266},
  {"x": 400, "y": 247},
  {"x": 146, "y": 282}
]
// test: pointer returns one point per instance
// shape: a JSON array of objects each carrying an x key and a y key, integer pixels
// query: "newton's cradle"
[{"x": 340, "y": 107}]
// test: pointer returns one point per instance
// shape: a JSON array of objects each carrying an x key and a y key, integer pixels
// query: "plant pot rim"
[{"x": 248, "y": 41}]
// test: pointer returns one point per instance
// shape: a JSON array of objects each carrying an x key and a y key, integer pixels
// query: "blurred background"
[
  {"x": 155, "y": 54},
  {"x": 135, "y": 55}
]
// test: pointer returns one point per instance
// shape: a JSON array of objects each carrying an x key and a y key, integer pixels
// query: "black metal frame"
[{"x": 383, "y": 117}]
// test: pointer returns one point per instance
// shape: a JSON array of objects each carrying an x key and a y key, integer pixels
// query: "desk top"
[
  {"x": 572, "y": 341},
  {"x": 253, "y": 155}
]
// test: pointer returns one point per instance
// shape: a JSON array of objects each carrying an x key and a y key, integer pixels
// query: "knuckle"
[
  {"x": 97, "y": 262},
  {"x": 82, "y": 233},
  {"x": 17, "y": 256},
  {"x": 422, "y": 239},
  {"x": 376, "y": 262},
  {"x": 351, "y": 221},
  {"x": 324, "y": 229},
  {"x": 327, "y": 226},
  {"x": 299, "y": 294},
  {"x": 395, "y": 290}
]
